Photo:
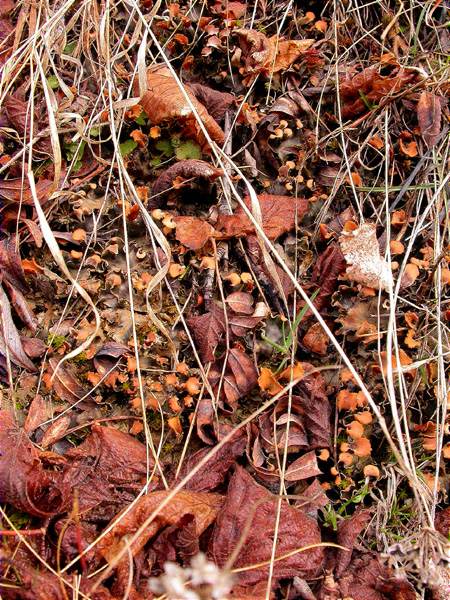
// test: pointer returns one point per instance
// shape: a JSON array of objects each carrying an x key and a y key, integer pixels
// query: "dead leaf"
[
  {"x": 216, "y": 103},
  {"x": 164, "y": 101},
  {"x": 56, "y": 431},
  {"x": 186, "y": 169},
  {"x": 369, "y": 87},
  {"x": 316, "y": 340},
  {"x": 268, "y": 383},
  {"x": 269, "y": 55},
  {"x": 193, "y": 232},
  {"x": 9, "y": 337},
  {"x": 240, "y": 378},
  {"x": 348, "y": 531},
  {"x": 329, "y": 266},
  {"x": 16, "y": 190},
  {"x": 203, "y": 506},
  {"x": 38, "y": 412},
  {"x": 362, "y": 254},
  {"x": 240, "y": 302},
  {"x": 302, "y": 468},
  {"x": 21, "y": 306},
  {"x": 208, "y": 330},
  {"x": 410, "y": 274},
  {"x": 11, "y": 265},
  {"x": 279, "y": 215},
  {"x": 66, "y": 384},
  {"x": 405, "y": 360},
  {"x": 25, "y": 483},
  {"x": 429, "y": 115},
  {"x": 250, "y": 510}
]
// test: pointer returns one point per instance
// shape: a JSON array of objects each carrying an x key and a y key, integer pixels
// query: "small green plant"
[
  {"x": 288, "y": 337},
  {"x": 127, "y": 147},
  {"x": 56, "y": 341},
  {"x": 75, "y": 152}
]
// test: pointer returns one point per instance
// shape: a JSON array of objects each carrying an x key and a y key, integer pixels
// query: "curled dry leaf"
[
  {"x": 429, "y": 115},
  {"x": 16, "y": 190},
  {"x": 26, "y": 485},
  {"x": 207, "y": 331},
  {"x": 11, "y": 265},
  {"x": 56, "y": 431},
  {"x": 302, "y": 468},
  {"x": 21, "y": 306},
  {"x": 65, "y": 383},
  {"x": 362, "y": 254},
  {"x": 269, "y": 55},
  {"x": 347, "y": 536},
  {"x": 203, "y": 506},
  {"x": 216, "y": 103},
  {"x": 249, "y": 515},
  {"x": 279, "y": 215},
  {"x": 330, "y": 265},
  {"x": 38, "y": 412},
  {"x": 268, "y": 382},
  {"x": 187, "y": 169},
  {"x": 215, "y": 470},
  {"x": 193, "y": 232},
  {"x": 240, "y": 325},
  {"x": 316, "y": 340},
  {"x": 240, "y": 376},
  {"x": 240, "y": 302},
  {"x": 164, "y": 101},
  {"x": 10, "y": 341},
  {"x": 369, "y": 87}
]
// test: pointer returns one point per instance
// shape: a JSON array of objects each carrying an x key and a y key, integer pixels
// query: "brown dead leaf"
[
  {"x": 38, "y": 412},
  {"x": 185, "y": 169},
  {"x": 279, "y": 215},
  {"x": 316, "y": 340},
  {"x": 240, "y": 302},
  {"x": 56, "y": 431},
  {"x": 216, "y": 103},
  {"x": 329, "y": 266},
  {"x": 250, "y": 511},
  {"x": 10, "y": 341},
  {"x": 302, "y": 468},
  {"x": 164, "y": 101},
  {"x": 66, "y": 384},
  {"x": 410, "y": 274},
  {"x": 429, "y": 115},
  {"x": 10, "y": 264},
  {"x": 369, "y": 87},
  {"x": 208, "y": 330},
  {"x": 193, "y": 232},
  {"x": 268, "y": 383},
  {"x": 203, "y": 506},
  {"x": 269, "y": 55},
  {"x": 362, "y": 254}
]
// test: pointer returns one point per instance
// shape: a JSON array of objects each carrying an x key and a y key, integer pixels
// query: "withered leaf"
[
  {"x": 215, "y": 470},
  {"x": 9, "y": 337},
  {"x": 193, "y": 232},
  {"x": 109, "y": 467},
  {"x": 25, "y": 483},
  {"x": 302, "y": 468},
  {"x": 56, "y": 431},
  {"x": 241, "y": 376},
  {"x": 317, "y": 409},
  {"x": 279, "y": 215},
  {"x": 203, "y": 506},
  {"x": 16, "y": 190},
  {"x": 369, "y": 87},
  {"x": 250, "y": 510},
  {"x": 216, "y": 103},
  {"x": 330, "y": 265},
  {"x": 21, "y": 306},
  {"x": 429, "y": 115},
  {"x": 269, "y": 55},
  {"x": 207, "y": 331},
  {"x": 187, "y": 169},
  {"x": 347, "y": 536},
  {"x": 66, "y": 384},
  {"x": 10, "y": 264},
  {"x": 164, "y": 100},
  {"x": 38, "y": 412},
  {"x": 362, "y": 254},
  {"x": 240, "y": 302}
]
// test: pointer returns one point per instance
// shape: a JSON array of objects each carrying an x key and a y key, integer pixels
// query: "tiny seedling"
[{"x": 288, "y": 339}]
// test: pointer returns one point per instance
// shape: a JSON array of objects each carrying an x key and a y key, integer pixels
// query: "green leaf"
[
  {"x": 188, "y": 149},
  {"x": 53, "y": 82},
  {"x": 140, "y": 119},
  {"x": 75, "y": 153},
  {"x": 127, "y": 147},
  {"x": 165, "y": 147},
  {"x": 155, "y": 162},
  {"x": 94, "y": 131},
  {"x": 69, "y": 48}
]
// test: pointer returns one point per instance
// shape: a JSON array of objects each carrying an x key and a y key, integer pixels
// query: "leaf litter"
[{"x": 250, "y": 196}]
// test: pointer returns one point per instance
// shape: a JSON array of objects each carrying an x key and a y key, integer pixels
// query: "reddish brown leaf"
[
  {"x": 279, "y": 215},
  {"x": 371, "y": 86},
  {"x": 187, "y": 169},
  {"x": 164, "y": 101},
  {"x": 66, "y": 384},
  {"x": 25, "y": 484},
  {"x": 16, "y": 190},
  {"x": 11, "y": 265},
  {"x": 250, "y": 511},
  {"x": 33, "y": 347},
  {"x": 312, "y": 391},
  {"x": 429, "y": 115},
  {"x": 207, "y": 331},
  {"x": 316, "y": 340},
  {"x": 38, "y": 412},
  {"x": 241, "y": 376},
  {"x": 347, "y": 536},
  {"x": 240, "y": 302},
  {"x": 10, "y": 341},
  {"x": 21, "y": 306},
  {"x": 216, "y": 103},
  {"x": 215, "y": 470},
  {"x": 193, "y": 232},
  {"x": 56, "y": 431},
  {"x": 203, "y": 506},
  {"x": 302, "y": 468}
]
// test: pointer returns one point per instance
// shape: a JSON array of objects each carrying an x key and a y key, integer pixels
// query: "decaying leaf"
[
  {"x": 203, "y": 506},
  {"x": 302, "y": 468},
  {"x": 216, "y": 103},
  {"x": 164, "y": 101},
  {"x": 348, "y": 532},
  {"x": 193, "y": 232},
  {"x": 66, "y": 384},
  {"x": 330, "y": 265},
  {"x": 207, "y": 331},
  {"x": 10, "y": 264},
  {"x": 10, "y": 341},
  {"x": 364, "y": 262},
  {"x": 16, "y": 190},
  {"x": 364, "y": 90},
  {"x": 186, "y": 169},
  {"x": 250, "y": 510},
  {"x": 429, "y": 115},
  {"x": 279, "y": 215},
  {"x": 240, "y": 376},
  {"x": 269, "y": 55},
  {"x": 316, "y": 340}
]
